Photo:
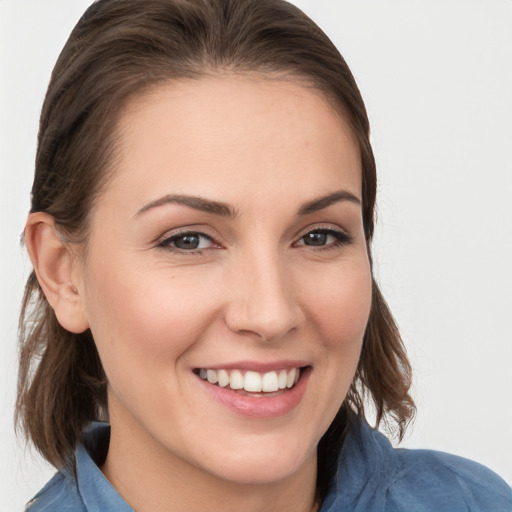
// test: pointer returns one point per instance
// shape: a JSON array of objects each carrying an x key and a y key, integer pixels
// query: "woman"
[{"x": 200, "y": 231}]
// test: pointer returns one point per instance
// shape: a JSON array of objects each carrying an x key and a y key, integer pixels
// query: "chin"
[{"x": 260, "y": 463}]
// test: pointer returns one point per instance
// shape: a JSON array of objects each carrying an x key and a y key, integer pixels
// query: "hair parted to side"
[{"x": 121, "y": 48}]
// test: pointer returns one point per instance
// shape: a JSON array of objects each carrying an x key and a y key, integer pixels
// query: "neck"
[{"x": 150, "y": 478}]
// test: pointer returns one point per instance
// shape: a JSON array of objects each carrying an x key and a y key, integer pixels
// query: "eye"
[
  {"x": 187, "y": 242},
  {"x": 324, "y": 238}
]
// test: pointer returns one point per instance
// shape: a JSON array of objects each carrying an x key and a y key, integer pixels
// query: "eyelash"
[
  {"x": 168, "y": 241},
  {"x": 341, "y": 238}
]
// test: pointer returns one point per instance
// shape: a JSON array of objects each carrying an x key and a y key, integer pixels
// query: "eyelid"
[
  {"x": 322, "y": 227},
  {"x": 164, "y": 241},
  {"x": 334, "y": 230}
]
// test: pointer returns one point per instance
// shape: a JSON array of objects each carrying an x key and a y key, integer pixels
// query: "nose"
[{"x": 262, "y": 301}]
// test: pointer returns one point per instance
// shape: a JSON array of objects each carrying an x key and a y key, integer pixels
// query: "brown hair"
[{"x": 118, "y": 49}]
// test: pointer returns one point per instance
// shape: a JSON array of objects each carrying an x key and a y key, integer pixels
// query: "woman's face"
[{"x": 228, "y": 252}]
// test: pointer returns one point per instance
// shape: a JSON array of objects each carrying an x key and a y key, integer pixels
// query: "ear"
[{"x": 57, "y": 269}]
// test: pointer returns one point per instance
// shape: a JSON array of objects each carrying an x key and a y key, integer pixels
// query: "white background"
[{"x": 437, "y": 80}]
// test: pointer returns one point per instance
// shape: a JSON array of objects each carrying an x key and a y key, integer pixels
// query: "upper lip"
[{"x": 258, "y": 366}]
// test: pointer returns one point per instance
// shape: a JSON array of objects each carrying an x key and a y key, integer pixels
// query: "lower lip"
[{"x": 261, "y": 405}]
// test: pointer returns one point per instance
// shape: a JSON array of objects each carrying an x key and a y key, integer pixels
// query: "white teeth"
[
  {"x": 290, "y": 380},
  {"x": 270, "y": 382},
  {"x": 250, "y": 381},
  {"x": 211, "y": 375},
  {"x": 236, "y": 380},
  {"x": 282, "y": 379},
  {"x": 223, "y": 377}
]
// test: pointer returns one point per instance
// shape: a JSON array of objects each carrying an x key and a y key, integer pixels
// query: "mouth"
[
  {"x": 255, "y": 390},
  {"x": 252, "y": 382}
]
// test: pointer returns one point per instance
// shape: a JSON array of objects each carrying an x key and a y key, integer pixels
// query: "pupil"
[
  {"x": 187, "y": 242},
  {"x": 315, "y": 239}
]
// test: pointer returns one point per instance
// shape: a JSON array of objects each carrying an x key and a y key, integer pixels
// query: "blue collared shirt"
[{"x": 372, "y": 476}]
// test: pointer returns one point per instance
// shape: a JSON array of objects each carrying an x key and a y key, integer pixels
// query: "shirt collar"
[
  {"x": 96, "y": 491},
  {"x": 367, "y": 466},
  {"x": 366, "y": 461}
]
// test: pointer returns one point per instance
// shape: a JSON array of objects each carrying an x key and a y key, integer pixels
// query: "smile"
[{"x": 250, "y": 381}]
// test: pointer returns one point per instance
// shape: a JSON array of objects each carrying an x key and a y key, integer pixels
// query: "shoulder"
[
  {"x": 446, "y": 482},
  {"x": 58, "y": 495},
  {"x": 83, "y": 488},
  {"x": 372, "y": 475}
]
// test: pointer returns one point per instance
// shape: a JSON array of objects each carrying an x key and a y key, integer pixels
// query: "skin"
[{"x": 254, "y": 291}]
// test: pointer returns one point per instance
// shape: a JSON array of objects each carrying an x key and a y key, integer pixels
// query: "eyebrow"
[
  {"x": 195, "y": 202},
  {"x": 325, "y": 201},
  {"x": 225, "y": 210}
]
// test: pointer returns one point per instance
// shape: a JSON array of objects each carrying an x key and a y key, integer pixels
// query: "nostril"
[{"x": 261, "y": 305}]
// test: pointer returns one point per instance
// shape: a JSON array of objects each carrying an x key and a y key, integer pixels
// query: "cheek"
[
  {"x": 340, "y": 304},
  {"x": 144, "y": 319}
]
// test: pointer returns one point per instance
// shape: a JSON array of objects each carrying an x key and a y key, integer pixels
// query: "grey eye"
[
  {"x": 316, "y": 238},
  {"x": 187, "y": 242},
  {"x": 325, "y": 238}
]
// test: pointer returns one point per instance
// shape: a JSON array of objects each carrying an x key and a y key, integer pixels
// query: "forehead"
[{"x": 240, "y": 131}]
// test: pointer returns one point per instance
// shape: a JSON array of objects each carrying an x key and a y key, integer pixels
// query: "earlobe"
[{"x": 54, "y": 264}]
